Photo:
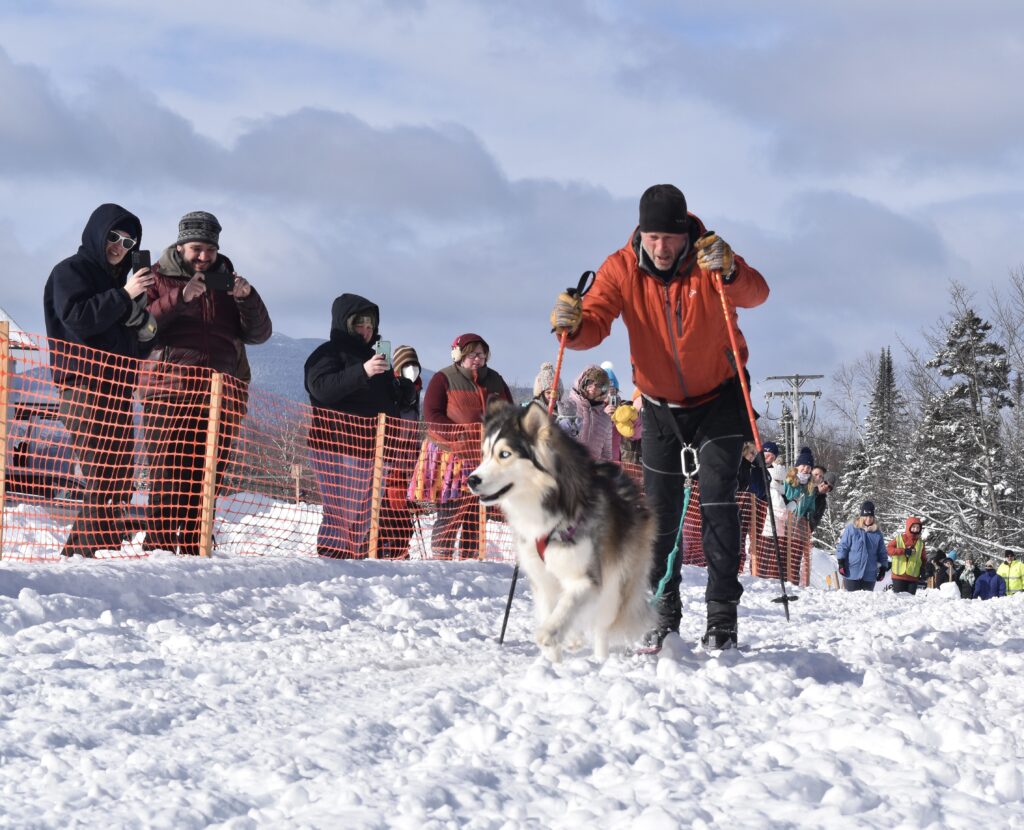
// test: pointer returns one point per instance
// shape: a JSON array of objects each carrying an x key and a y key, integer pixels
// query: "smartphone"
[
  {"x": 140, "y": 260},
  {"x": 384, "y": 347},
  {"x": 219, "y": 280}
]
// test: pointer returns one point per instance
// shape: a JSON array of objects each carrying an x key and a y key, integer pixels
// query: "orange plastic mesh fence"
[{"x": 128, "y": 457}]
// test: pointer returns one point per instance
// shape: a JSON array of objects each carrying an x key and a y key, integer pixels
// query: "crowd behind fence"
[{"x": 143, "y": 456}]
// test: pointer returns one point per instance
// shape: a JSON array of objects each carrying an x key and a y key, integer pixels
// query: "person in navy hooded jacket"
[
  {"x": 347, "y": 375},
  {"x": 861, "y": 552},
  {"x": 92, "y": 306}
]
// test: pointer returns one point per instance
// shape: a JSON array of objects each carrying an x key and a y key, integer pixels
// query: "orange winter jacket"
[{"x": 678, "y": 337}]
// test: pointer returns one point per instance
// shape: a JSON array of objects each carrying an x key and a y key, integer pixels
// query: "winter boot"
[
  {"x": 669, "y": 613},
  {"x": 721, "y": 632}
]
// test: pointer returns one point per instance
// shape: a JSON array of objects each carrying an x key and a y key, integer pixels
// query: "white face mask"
[
  {"x": 411, "y": 372},
  {"x": 803, "y": 478}
]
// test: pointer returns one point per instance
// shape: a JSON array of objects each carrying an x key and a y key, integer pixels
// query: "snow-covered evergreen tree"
[
  {"x": 959, "y": 468},
  {"x": 876, "y": 470}
]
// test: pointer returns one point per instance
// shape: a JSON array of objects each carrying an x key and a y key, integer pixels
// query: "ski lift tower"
[{"x": 794, "y": 394}]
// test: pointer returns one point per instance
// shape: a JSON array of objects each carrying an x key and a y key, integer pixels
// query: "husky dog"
[{"x": 583, "y": 532}]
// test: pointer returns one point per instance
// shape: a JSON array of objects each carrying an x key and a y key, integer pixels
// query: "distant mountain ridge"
[{"x": 277, "y": 366}]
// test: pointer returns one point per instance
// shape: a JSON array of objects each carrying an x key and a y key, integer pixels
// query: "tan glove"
[
  {"x": 567, "y": 313},
  {"x": 714, "y": 254}
]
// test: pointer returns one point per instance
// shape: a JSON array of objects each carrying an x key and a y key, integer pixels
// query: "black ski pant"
[
  {"x": 98, "y": 417},
  {"x": 717, "y": 430}
]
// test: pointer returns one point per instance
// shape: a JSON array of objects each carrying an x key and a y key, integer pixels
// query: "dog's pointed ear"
[
  {"x": 535, "y": 419},
  {"x": 495, "y": 405}
]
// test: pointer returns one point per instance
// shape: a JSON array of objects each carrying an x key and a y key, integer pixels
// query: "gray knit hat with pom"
[{"x": 545, "y": 378}]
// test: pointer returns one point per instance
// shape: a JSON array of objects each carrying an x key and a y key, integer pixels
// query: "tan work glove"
[
  {"x": 567, "y": 313},
  {"x": 714, "y": 254}
]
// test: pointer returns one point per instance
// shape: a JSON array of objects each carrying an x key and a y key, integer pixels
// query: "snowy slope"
[{"x": 244, "y": 692}]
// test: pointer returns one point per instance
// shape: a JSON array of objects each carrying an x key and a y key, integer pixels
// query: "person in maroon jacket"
[
  {"x": 206, "y": 314},
  {"x": 453, "y": 405}
]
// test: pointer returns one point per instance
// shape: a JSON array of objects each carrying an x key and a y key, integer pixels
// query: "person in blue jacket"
[
  {"x": 861, "y": 552},
  {"x": 989, "y": 584}
]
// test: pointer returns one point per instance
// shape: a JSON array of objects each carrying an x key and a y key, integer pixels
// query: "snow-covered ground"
[{"x": 246, "y": 692}]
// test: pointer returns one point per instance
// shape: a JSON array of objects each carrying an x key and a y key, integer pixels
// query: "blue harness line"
[{"x": 688, "y": 452}]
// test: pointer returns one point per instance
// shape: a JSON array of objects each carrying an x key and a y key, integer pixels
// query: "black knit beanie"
[{"x": 663, "y": 210}]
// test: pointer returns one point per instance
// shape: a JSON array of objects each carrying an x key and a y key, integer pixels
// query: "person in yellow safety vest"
[
  {"x": 1012, "y": 572},
  {"x": 907, "y": 553}
]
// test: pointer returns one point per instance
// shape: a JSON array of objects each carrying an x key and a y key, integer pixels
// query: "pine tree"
[
  {"x": 875, "y": 470},
  {"x": 960, "y": 462}
]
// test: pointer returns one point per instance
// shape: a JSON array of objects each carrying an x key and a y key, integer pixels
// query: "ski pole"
[
  {"x": 727, "y": 310},
  {"x": 582, "y": 287}
]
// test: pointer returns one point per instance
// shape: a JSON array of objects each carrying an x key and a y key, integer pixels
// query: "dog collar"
[{"x": 566, "y": 536}]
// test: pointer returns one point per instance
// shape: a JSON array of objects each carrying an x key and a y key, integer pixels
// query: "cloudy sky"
[{"x": 460, "y": 162}]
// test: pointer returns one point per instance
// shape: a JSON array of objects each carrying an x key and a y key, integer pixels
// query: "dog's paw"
[
  {"x": 575, "y": 642},
  {"x": 547, "y": 637},
  {"x": 552, "y": 653}
]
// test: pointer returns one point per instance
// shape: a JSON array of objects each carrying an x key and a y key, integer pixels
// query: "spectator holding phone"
[
  {"x": 91, "y": 303},
  {"x": 207, "y": 314},
  {"x": 348, "y": 375}
]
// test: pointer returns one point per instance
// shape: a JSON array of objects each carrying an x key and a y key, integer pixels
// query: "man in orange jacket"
[
  {"x": 660, "y": 283},
  {"x": 907, "y": 553}
]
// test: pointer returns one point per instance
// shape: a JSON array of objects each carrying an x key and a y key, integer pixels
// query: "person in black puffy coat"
[
  {"x": 97, "y": 322},
  {"x": 347, "y": 377}
]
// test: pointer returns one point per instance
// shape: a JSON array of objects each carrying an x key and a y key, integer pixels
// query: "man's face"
[
  {"x": 817, "y": 475},
  {"x": 769, "y": 457},
  {"x": 198, "y": 256},
  {"x": 663, "y": 248},
  {"x": 915, "y": 528}
]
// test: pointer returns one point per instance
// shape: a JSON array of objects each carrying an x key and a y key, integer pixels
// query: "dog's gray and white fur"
[{"x": 593, "y": 576}]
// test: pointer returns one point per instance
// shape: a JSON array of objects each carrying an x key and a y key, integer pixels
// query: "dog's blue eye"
[{"x": 504, "y": 454}]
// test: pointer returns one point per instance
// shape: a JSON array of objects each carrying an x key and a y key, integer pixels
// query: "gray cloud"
[
  {"x": 843, "y": 152},
  {"x": 915, "y": 86}
]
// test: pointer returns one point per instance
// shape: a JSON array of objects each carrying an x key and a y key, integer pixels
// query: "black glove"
[
  {"x": 881, "y": 573},
  {"x": 842, "y": 567},
  {"x": 141, "y": 320}
]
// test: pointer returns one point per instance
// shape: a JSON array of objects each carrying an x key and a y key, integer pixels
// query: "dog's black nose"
[{"x": 473, "y": 482}]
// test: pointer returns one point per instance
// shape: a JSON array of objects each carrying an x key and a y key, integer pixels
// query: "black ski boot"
[
  {"x": 721, "y": 633},
  {"x": 669, "y": 613}
]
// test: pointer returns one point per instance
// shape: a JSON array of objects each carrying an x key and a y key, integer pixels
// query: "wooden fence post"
[
  {"x": 209, "y": 497},
  {"x": 297, "y": 478},
  {"x": 6, "y": 373},
  {"x": 377, "y": 491}
]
